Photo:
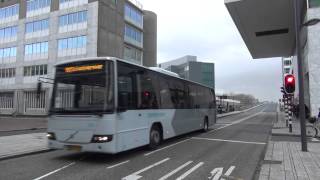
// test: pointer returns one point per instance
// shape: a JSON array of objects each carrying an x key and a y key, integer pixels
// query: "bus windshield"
[{"x": 83, "y": 88}]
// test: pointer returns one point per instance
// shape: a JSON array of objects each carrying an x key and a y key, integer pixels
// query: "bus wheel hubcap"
[{"x": 155, "y": 136}]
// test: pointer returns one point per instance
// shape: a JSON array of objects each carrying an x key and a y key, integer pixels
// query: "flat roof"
[{"x": 266, "y": 26}]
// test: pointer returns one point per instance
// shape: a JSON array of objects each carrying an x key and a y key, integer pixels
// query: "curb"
[
  {"x": 25, "y": 154},
  {"x": 17, "y": 130},
  {"x": 239, "y": 112},
  {"x": 279, "y": 134},
  {"x": 257, "y": 171}
]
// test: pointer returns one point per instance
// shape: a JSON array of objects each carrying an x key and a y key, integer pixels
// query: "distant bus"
[{"x": 108, "y": 105}]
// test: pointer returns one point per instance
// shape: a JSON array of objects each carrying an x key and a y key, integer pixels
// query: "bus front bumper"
[{"x": 108, "y": 147}]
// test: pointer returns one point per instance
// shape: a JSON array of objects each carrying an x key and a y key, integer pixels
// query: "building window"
[
  {"x": 7, "y": 100},
  {"x": 133, "y": 33},
  {"x": 7, "y": 73},
  {"x": 65, "y": 4},
  {"x": 7, "y": 53},
  {"x": 133, "y": 15},
  {"x": 38, "y": 70},
  {"x": 34, "y": 101},
  {"x": 33, "y": 5},
  {"x": 36, "y": 26},
  {"x": 72, "y": 43},
  {"x": 9, "y": 11},
  {"x": 36, "y": 48},
  {"x": 73, "y": 18},
  {"x": 314, "y": 3},
  {"x": 72, "y": 46},
  {"x": 133, "y": 36},
  {"x": 133, "y": 54},
  {"x": 8, "y": 32},
  {"x": 287, "y": 63},
  {"x": 38, "y": 7}
]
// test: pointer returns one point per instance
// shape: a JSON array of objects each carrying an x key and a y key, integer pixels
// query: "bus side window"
[
  {"x": 148, "y": 96},
  {"x": 178, "y": 94},
  {"x": 213, "y": 99},
  {"x": 193, "y": 97},
  {"x": 165, "y": 96},
  {"x": 125, "y": 94}
]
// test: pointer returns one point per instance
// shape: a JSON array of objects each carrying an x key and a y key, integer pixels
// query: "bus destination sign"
[{"x": 85, "y": 68}]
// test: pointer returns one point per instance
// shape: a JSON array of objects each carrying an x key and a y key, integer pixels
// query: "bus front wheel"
[{"x": 155, "y": 137}]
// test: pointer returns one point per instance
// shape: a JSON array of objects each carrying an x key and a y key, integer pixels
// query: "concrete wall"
[
  {"x": 150, "y": 39},
  {"x": 111, "y": 29},
  {"x": 313, "y": 62}
]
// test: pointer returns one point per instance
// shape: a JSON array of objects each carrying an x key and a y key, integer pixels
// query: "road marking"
[
  {"x": 216, "y": 173},
  {"x": 190, "y": 171},
  {"x": 147, "y": 154},
  {"x": 52, "y": 172},
  {"x": 175, "y": 171},
  {"x": 238, "y": 121},
  {"x": 135, "y": 176},
  {"x": 116, "y": 165},
  {"x": 227, "y": 140}
]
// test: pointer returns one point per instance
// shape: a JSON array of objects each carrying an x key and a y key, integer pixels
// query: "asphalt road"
[{"x": 235, "y": 146}]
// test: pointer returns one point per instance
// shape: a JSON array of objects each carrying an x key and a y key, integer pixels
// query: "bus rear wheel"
[{"x": 155, "y": 137}]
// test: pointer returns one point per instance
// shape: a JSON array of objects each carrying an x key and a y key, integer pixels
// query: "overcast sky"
[{"x": 205, "y": 29}]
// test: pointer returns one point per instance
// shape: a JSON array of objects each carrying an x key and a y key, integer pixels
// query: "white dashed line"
[
  {"x": 237, "y": 122},
  {"x": 52, "y": 172},
  {"x": 190, "y": 171},
  {"x": 119, "y": 164},
  {"x": 227, "y": 140},
  {"x": 175, "y": 171},
  {"x": 147, "y": 154}
]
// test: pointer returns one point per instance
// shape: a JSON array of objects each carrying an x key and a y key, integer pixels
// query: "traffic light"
[{"x": 289, "y": 84}]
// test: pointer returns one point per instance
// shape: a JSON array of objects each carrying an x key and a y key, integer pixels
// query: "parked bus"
[{"x": 108, "y": 105}]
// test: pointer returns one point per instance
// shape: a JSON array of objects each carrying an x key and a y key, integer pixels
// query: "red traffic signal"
[{"x": 289, "y": 84}]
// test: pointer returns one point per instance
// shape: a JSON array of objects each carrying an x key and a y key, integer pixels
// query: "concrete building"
[
  {"x": 36, "y": 34},
  {"x": 286, "y": 66},
  {"x": 275, "y": 37},
  {"x": 187, "y": 67}
]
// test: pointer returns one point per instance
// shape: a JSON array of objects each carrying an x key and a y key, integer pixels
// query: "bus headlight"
[
  {"x": 51, "y": 136},
  {"x": 101, "y": 138}
]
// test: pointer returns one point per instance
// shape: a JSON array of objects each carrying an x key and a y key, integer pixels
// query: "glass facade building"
[{"x": 36, "y": 34}]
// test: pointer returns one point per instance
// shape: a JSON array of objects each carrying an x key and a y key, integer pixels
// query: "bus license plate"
[{"x": 73, "y": 148}]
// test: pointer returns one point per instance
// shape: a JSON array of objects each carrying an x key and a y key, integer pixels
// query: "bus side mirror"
[{"x": 39, "y": 89}]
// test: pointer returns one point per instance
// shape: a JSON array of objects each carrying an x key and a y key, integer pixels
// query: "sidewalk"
[
  {"x": 284, "y": 160},
  {"x": 22, "y": 144},
  {"x": 279, "y": 127},
  {"x": 22, "y": 123}
]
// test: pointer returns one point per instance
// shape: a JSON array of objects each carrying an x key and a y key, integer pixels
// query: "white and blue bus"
[{"x": 108, "y": 105}]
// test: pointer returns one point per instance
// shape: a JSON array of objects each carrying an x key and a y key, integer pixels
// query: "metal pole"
[{"x": 297, "y": 10}]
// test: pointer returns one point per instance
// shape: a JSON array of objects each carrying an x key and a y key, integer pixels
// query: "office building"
[
  {"x": 275, "y": 36},
  {"x": 36, "y": 34},
  {"x": 189, "y": 68}
]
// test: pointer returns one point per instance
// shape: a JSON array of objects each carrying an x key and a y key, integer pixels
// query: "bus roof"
[{"x": 107, "y": 58}]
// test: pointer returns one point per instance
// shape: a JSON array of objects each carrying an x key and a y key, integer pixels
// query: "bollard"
[{"x": 290, "y": 124}]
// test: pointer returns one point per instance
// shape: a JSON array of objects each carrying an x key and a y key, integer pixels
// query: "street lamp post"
[
  {"x": 302, "y": 112},
  {"x": 297, "y": 10}
]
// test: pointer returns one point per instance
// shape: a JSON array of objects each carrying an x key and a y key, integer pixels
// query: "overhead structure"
[{"x": 266, "y": 26}]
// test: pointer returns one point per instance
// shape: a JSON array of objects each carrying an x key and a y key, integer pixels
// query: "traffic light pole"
[{"x": 297, "y": 10}]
